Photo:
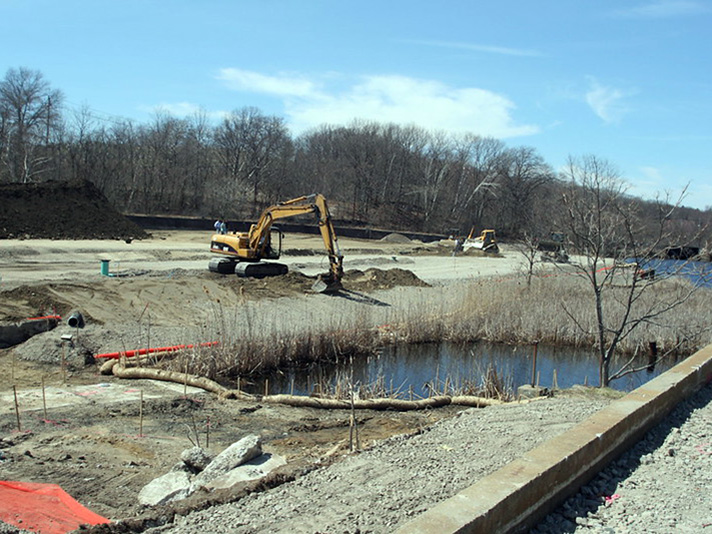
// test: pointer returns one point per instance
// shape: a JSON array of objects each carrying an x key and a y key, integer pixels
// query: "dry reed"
[{"x": 504, "y": 311}]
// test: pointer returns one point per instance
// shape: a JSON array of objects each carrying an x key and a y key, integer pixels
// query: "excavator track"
[
  {"x": 222, "y": 265},
  {"x": 260, "y": 269}
]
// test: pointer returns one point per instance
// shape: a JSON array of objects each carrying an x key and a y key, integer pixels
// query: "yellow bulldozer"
[
  {"x": 247, "y": 254},
  {"x": 486, "y": 241}
]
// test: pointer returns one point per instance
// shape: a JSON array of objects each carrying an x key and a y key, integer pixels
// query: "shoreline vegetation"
[{"x": 552, "y": 310}]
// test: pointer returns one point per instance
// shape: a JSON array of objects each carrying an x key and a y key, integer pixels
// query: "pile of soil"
[
  {"x": 61, "y": 210},
  {"x": 396, "y": 238},
  {"x": 373, "y": 279}
]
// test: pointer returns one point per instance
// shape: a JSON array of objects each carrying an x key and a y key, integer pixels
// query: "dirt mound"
[
  {"x": 396, "y": 238},
  {"x": 24, "y": 301},
  {"x": 372, "y": 279},
  {"x": 61, "y": 210}
]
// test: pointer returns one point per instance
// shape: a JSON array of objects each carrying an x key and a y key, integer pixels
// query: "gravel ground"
[
  {"x": 661, "y": 485},
  {"x": 382, "y": 488}
]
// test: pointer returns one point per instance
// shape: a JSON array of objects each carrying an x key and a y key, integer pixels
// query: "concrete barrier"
[
  {"x": 520, "y": 494},
  {"x": 158, "y": 222}
]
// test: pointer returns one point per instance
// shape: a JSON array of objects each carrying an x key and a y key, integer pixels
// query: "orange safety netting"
[{"x": 44, "y": 508}]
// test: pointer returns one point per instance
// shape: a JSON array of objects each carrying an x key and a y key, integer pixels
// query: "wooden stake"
[
  {"x": 140, "y": 414},
  {"x": 17, "y": 409},
  {"x": 44, "y": 399},
  {"x": 555, "y": 380},
  {"x": 266, "y": 386},
  {"x": 64, "y": 368},
  {"x": 207, "y": 434},
  {"x": 536, "y": 350}
]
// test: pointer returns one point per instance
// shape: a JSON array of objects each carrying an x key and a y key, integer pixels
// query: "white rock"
[
  {"x": 169, "y": 487},
  {"x": 236, "y": 454}
]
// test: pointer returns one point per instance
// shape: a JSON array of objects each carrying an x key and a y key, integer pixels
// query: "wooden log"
[
  {"x": 476, "y": 402},
  {"x": 169, "y": 376},
  {"x": 359, "y": 404},
  {"x": 121, "y": 371}
]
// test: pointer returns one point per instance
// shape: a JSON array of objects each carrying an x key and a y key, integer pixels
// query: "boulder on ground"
[
  {"x": 172, "y": 486},
  {"x": 196, "y": 458},
  {"x": 236, "y": 454},
  {"x": 256, "y": 468}
]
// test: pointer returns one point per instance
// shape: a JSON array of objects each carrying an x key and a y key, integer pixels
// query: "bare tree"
[
  {"x": 605, "y": 228},
  {"x": 249, "y": 145},
  {"x": 476, "y": 172},
  {"x": 523, "y": 173},
  {"x": 29, "y": 114}
]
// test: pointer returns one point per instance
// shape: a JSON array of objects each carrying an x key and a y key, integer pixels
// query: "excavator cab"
[{"x": 272, "y": 249}]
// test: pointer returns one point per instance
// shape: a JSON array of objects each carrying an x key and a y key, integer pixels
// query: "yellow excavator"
[{"x": 243, "y": 253}]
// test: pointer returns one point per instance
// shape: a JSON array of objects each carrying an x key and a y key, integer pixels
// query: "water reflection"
[{"x": 411, "y": 368}]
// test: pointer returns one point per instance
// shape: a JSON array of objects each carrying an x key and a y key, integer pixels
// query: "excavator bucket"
[{"x": 325, "y": 283}]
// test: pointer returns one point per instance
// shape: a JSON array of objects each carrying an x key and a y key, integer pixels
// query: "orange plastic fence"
[{"x": 44, "y": 508}]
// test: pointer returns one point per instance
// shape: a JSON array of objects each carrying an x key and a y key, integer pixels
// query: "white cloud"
[
  {"x": 283, "y": 85},
  {"x": 607, "y": 102},
  {"x": 389, "y": 98},
  {"x": 652, "y": 183},
  {"x": 664, "y": 9}
]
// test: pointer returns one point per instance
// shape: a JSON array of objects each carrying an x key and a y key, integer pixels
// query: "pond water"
[
  {"x": 409, "y": 368},
  {"x": 699, "y": 272}
]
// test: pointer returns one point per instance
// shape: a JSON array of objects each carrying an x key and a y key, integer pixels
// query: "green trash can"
[{"x": 105, "y": 267}]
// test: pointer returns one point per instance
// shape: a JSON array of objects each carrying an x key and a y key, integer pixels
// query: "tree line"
[{"x": 385, "y": 175}]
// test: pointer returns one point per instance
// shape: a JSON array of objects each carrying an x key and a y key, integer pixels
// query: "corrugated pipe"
[
  {"x": 139, "y": 352},
  {"x": 75, "y": 319}
]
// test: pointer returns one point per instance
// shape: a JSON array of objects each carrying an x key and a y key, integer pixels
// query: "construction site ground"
[
  {"x": 102, "y": 439},
  {"x": 96, "y": 440}
]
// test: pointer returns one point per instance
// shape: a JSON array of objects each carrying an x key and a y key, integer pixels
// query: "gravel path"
[
  {"x": 379, "y": 489},
  {"x": 661, "y": 485}
]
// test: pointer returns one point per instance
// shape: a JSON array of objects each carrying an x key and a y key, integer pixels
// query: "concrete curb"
[{"x": 517, "y": 496}]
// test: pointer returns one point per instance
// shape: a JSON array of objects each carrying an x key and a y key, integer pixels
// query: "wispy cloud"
[
  {"x": 607, "y": 102},
  {"x": 280, "y": 85},
  {"x": 489, "y": 49},
  {"x": 397, "y": 99},
  {"x": 662, "y": 9}
]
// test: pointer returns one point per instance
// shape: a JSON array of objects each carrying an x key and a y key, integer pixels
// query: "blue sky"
[{"x": 627, "y": 81}]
